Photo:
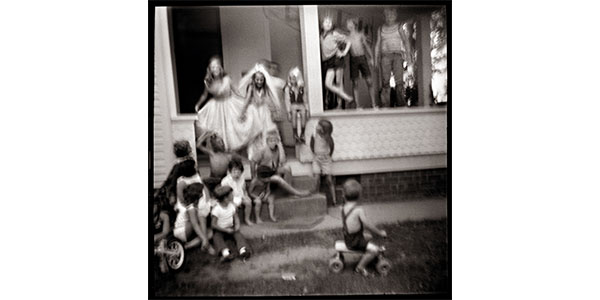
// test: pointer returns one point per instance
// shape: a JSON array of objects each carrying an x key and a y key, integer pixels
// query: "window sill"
[{"x": 380, "y": 111}]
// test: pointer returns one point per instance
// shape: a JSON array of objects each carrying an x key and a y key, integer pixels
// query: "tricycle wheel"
[
  {"x": 336, "y": 265},
  {"x": 383, "y": 266},
  {"x": 175, "y": 261}
]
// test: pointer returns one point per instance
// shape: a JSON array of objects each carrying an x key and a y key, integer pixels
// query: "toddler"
[
  {"x": 226, "y": 223},
  {"x": 295, "y": 102},
  {"x": 235, "y": 180},
  {"x": 354, "y": 221},
  {"x": 260, "y": 191},
  {"x": 321, "y": 144}
]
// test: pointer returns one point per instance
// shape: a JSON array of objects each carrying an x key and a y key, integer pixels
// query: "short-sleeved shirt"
[
  {"x": 238, "y": 187},
  {"x": 224, "y": 215}
]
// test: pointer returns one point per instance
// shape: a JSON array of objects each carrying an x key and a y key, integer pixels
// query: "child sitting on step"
[
  {"x": 188, "y": 227},
  {"x": 218, "y": 158},
  {"x": 235, "y": 180},
  {"x": 260, "y": 191},
  {"x": 354, "y": 221},
  {"x": 226, "y": 223}
]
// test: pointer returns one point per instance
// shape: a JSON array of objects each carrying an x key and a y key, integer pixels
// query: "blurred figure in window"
[{"x": 359, "y": 63}]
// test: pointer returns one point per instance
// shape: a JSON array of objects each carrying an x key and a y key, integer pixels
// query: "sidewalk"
[{"x": 380, "y": 213}]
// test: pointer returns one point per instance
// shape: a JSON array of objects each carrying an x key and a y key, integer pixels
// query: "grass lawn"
[{"x": 418, "y": 252}]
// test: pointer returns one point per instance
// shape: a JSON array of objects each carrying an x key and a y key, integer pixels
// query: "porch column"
[
  {"x": 311, "y": 57},
  {"x": 424, "y": 59}
]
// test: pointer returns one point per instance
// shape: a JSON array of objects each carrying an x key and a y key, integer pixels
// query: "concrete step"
[
  {"x": 304, "y": 183},
  {"x": 291, "y": 207}
]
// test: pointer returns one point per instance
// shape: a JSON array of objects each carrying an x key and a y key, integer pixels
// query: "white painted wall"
[{"x": 245, "y": 39}]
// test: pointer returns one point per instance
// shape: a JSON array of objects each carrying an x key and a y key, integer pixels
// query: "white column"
[
  {"x": 164, "y": 55},
  {"x": 311, "y": 57}
]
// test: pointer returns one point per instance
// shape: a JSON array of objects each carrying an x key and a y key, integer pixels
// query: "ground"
[{"x": 418, "y": 252}]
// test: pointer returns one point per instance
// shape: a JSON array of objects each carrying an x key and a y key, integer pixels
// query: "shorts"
[
  {"x": 333, "y": 62},
  {"x": 322, "y": 164},
  {"x": 359, "y": 63},
  {"x": 179, "y": 233},
  {"x": 355, "y": 241},
  {"x": 237, "y": 201}
]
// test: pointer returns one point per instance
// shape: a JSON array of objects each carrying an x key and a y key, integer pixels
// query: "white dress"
[{"x": 221, "y": 115}]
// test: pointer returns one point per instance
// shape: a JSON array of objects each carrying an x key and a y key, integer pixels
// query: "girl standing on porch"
[
  {"x": 261, "y": 97},
  {"x": 333, "y": 49},
  {"x": 220, "y": 113}
]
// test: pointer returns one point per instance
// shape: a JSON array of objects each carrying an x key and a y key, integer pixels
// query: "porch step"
[
  {"x": 291, "y": 207},
  {"x": 304, "y": 183}
]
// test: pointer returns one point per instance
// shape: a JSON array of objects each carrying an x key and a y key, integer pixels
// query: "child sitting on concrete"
[
  {"x": 273, "y": 157},
  {"x": 189, "y": 219},
  {"x": 226, "y": 223},
  {"x": 218, "y": 158},
  {"x": 162, "y": 228},
  {"x": 260, "y": 191},
  {"x": 235, "y": 180},
  {"x": 354, "y": 221}
]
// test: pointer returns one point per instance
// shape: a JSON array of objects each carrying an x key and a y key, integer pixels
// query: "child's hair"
[
  {"x": 235, "y": 163},
  {"x": 352, "y": 189},
  {"x": 327, "y": 126},
  {"x": 209, "y": 76},
  {"x": 192, "y": 192},
  {"x": 188, "y": 168},
  {"x": 353, "y": 21},
  {"x": 295, "y": 72},
  {"x": 264, "y": 172},
  {"x": 211, "y": 183},
  {"x": 222, "y": 191},
  {"x": 182, "y": 148}
]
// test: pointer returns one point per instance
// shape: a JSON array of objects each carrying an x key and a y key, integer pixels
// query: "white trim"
[
  {"x": 382, "y": 111},
  {"x": 162, "y": 36},
  {"x": 311, "y": 57},
  {"x": 382, "y": 165}
]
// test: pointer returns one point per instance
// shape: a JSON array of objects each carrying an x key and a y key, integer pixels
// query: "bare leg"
[
  {"x": 270, "y": 201},
  {"x": 257, "y": 206},
  {"x": 365, "y": 260},
  {"x": 287, "y": 187},
  {"x": 330, "y": 185},
  {"x": 355, "y": 91},
  {"x": 371, "y": 90},
  {"x": 294, "y": 126},
  {"x": 303, "y": 122},
  {"x": 247, "y": 211},
  {"x": 335, "y": 89}
]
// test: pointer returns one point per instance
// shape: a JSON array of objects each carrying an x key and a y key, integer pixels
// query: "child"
[
  {"x": 393, "y": 47},
  {"x": 226, "y": 223},
  {"x": 188, "y": 175},
  {"x": 260, "y": 191},
  {"x": 168, "y": 190},
  {"x": 162, "y": 228},
  {"x": 218, "y": 158},
  {"x": 220, "y": 113},
  {"x": 235, "y": 180},
  {"x": 333, "y": 58},
  {"x": 273, "y": 157},
  {"x": 321, "y": 144},
  {"x": 358, "y": 60},
  {"x": 294, "y": 100},
  {"x": 354, "y": 221},
  {"x": 188, "y": 224}
]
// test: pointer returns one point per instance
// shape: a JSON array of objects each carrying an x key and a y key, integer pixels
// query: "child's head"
[
  {"x": 295, "y": 77},
  {"x": 259, "y": 80},
  {"x": 188, "y": 168},
  {"x": 272, "y": 139},
  {"x": 352, "y": 24},
  {"x": 215, "y": 68},
  {"x": 236, "y": 168},
  {"x": 217, "y": 143},
  {"x": 211, "y": 183},
  {"x": 192, "y": 193},
  {"x": 182, "y": 148},
  {"x": 352, "y": 190},
  {"x": 264, "y": 173},
  {"x": 390, "y": 15},
  {"x": 324, "y": 127},
  {"x": 327, "y": 23},
  {"x": 223, "y": 194}
]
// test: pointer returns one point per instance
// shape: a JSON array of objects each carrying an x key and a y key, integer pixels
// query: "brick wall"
[{"x": 399, "y": 186}]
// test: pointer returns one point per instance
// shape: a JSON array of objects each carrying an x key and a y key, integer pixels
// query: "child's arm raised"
[
  {"x": 367, "y": 224},
  {"x": 348, "y": 45},
  {"x": 200, "y": 144},
  {"x": 166, "y": 228}
]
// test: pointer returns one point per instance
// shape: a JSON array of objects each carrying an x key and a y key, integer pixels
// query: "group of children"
[{"x": 393, "y": 55}]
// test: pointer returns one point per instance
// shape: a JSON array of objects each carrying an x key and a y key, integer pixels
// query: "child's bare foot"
[
  {"x": 248, "y": 222},
  {"x": 259, "y": 220},
  {"x": 212, "y": 251},
  {"x": 273, "y": 219},
  {"x": 303, "y": 193}
]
